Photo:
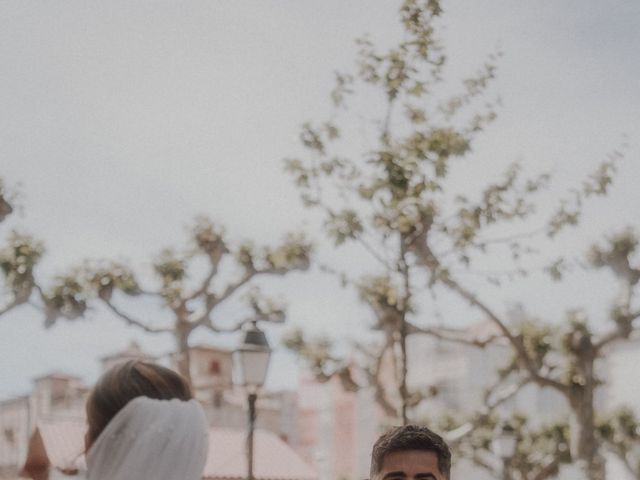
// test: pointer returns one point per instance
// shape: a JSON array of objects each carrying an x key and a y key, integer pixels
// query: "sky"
[{"x": 121, "y": 121}]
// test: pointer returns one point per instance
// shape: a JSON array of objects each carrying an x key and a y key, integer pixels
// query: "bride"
[{"x": 143, "y": 423}]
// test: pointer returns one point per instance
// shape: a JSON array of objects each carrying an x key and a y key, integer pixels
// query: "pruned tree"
[
  {"x": 538, "y": 452},
  {"x": 399, "y": 202},
  {"x": 226, "y": 270},
  {"x": 18, "y": 259},
  {"x": 61, "y": 298}
]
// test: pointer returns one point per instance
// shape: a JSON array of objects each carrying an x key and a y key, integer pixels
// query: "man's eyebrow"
[
  {"x": 420, "y": 476},
  {"x": 394, "y": 475}
]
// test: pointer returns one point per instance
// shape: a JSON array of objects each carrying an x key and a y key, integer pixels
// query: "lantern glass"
[
  {"x": 252, "y": 358},
  {"x": 253, "y": 364}
]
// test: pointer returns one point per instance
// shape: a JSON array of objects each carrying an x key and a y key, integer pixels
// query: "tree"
[
  {"x": 18, "y": 259},
  {"x": 192, "y": 304},
  {"x": 398, "y": 202},
  {"x": 229, "y": 271},
  {"x": 62, "y": 298}
]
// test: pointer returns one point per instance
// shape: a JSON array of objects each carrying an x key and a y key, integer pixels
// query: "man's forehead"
[{"x": 410, "y": 461}]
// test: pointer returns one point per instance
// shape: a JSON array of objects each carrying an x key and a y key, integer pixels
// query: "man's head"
[{"x": 411, "y": 452}]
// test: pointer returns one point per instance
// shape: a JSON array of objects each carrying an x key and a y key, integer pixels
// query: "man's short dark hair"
[{"x": 410, "y": 437}]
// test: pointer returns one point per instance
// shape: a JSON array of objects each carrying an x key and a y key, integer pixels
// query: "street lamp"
[
  {"x": 505, "y": 444},
  {"x": 252, "y": 361}
]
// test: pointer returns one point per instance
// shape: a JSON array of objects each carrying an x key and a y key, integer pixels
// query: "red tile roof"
[
  {"x": 64, "y": 443},
  {"x": 273, "y": 458}
]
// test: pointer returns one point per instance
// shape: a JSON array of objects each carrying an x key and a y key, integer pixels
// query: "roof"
[
  {"x": 14, "y": 400},
  {"x": 132, "y": 351},
  {"x": 62, "y": 444},
  {"x": 273, "y": 458},
  {"x": 210, "y": 348},
  {"x": 58, "y": 444},
  {"x": 57, "y": 375}
]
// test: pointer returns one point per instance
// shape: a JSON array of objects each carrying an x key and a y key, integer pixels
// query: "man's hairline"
[{"x": 377, "y": 476}]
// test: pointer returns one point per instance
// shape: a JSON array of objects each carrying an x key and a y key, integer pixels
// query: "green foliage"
[
  {"x": 245, "y": 256},
  {"x": 172, "y": 270},
  {"x": 19, "y": 257},
  {"x": 343, "y": 225},
  {"x": 6, "y": 208},
  {"x": 114, "y": 276},
  {"x": 538, "y": 339},
  {"x": 17, "y": 261},
  {"x": 596, "y": 184},
  {"x": 620, "y": 432},
  {"x": 616, "y": 255},
  {"x": 380, "y": 292},
  {"x": 292, "y": 254},
  {"x": 621, "y": 428},
  {"x": 67, "y": 298},
  {"x": 209, "y": 239},
  {"x": 316, "y": 351}
]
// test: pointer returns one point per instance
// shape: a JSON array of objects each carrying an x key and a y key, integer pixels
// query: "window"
[
  {"x": 10, "y": 435},
  {"x": 214, "y": 367}
]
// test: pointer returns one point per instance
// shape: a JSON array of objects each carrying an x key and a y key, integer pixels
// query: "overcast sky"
[{"x": 120, "y": 121}]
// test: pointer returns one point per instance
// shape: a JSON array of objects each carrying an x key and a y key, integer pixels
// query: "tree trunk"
[
  {"x": 404, "y": 393},
  {"x": 182, "y": 348},
  {"x": 584, "y": 444},
  {"x": 404, "y": 367}
]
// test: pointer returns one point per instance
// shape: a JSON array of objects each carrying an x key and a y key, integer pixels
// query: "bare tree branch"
[
  {"x": 207, "y": 281},
  {"x": 14, "y": 303},
  {"x": 455, "y": 336},
  {"x": 620, "y": 333},
  {"x": 373, "y": 376},
  {"x": 234, "y": 287},
  {"x": 456, "y": 435},
  {"x": 430, "y": 261},
  {"x": 212, "y": 301},
  {"x": 131, "y": 321}
]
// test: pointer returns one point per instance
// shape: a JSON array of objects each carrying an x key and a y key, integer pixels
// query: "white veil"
[{"x": 151, "y": 439}]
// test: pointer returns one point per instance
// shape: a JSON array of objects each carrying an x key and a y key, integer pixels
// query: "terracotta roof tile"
[
  {"x": 273, "y": 458},
  {"x": 64, "y": 443}
]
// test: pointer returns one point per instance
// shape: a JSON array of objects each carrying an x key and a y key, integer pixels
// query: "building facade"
[{"x": 58, "y": 398}]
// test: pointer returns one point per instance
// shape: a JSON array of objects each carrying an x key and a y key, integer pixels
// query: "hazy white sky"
[{"x": 123, "y": 120}]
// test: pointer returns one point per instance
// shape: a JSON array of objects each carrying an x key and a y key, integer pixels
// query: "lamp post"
[
  {"x": 252, "y": 361},
  {"x": 505, "y": 444}
]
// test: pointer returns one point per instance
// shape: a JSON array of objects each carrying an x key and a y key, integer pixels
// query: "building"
[
  {"x": 57, "y": 404},
  {"x": 56, "y": 452},
  {"x": 333, "y": 423},
  {"x": 55, "y": 397},
  {"x": 211, "y": 370}
]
